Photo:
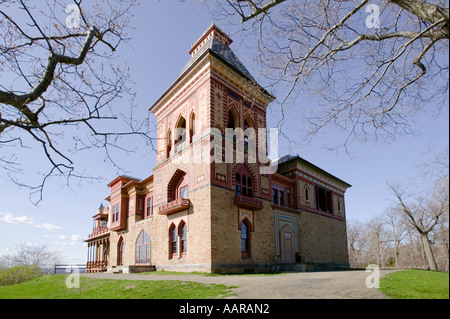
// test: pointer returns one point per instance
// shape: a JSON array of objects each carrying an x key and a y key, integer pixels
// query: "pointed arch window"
[
  {"x": 180, "y": 133},
  {"x": 183, "y": 237},
  {"x": 169, "y": 144},
  {"x": 173, "y": 240},
  {"x": 244, "y": 183},
  {"x": 247, "y": 125},
  {"x": 143, "y": 249},
  {"x": 192, "y": 128},
  {"x": 245, "y": 239},
  {"x": 120, "y": 251},
  {"x": 232, "y": 119}
]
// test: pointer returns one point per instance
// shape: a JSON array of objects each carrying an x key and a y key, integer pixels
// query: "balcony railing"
[
  {"x": 174, "y": 206},
  {"x": 96, "y": 266},
  {"x": 97, "y": 231},
  {"x": 248, "y": 202}
]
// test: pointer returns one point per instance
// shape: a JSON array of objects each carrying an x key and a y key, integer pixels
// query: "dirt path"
[{"x": 308, "y": 285}]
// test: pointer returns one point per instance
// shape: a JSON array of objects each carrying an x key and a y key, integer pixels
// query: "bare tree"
[
  {"x": 61, "y": 83},
  {"x": 371, "y": 65},
  {"x": 24, "y": 254},
  {"x": 423, "y": 214},
  {"x": 395, "y": 221},
  {"x": 357, "y": 243}
]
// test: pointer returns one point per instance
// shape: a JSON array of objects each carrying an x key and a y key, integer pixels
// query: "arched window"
[
  {"x": 247, "y": 125},
  {"x": 178, "y": 186},
  {"x": 173, "y": 239},
  {"x": 306, "y": 193},
  {"x": 143, "y": 249},
  {"x": 120, "y": 251},
  {"x": 244, "y": 183},
  {"x": 192, "y": 128},
  {"x": 169, "y": 144},
  {"x": 245, "y": 239},
  {"x": 232, "y": 119},
  {"x": 180, "y": 132},
  {"x": 183, "y": 237}
]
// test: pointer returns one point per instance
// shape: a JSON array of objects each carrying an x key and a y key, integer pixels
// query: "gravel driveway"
[{"x": 306, "y": 285}]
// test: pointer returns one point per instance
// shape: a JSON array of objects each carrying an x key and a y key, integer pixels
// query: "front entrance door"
[{"x": 287, "y": 245}]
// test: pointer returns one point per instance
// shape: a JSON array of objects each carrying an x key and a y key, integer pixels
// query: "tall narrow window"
[
  {"x": 231, "y": 119},
  {"x": 169, "y": 144},
  {"x": 281, "y": 198},
  {"x": 143, "y": 249},
  {"x": 180, "y": 133},
  {"x": 192, "y": 128},
  {"x": 183, "y": 237},
  {"x": 245, "y": 240},
  {"x": 306, "y": 193},
  {"x": 149, "y": 208},
  {"x": 120, "y": 251},
  {"x": 115, "y": 215},
  {"x": 173, "y": 240}
]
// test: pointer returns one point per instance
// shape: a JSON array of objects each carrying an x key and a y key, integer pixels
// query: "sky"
[{"x": 164, "y": 32}]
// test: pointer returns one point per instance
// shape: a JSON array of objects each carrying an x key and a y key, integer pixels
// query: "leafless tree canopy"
[
  {"x": 60, "y": 82},
  {"x": 413, "y": 232},
  {"x": 23, "y": 254},
  {"x": 370, "y": 79}
]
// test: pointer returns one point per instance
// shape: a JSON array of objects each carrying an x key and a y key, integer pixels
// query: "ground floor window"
[
  {"x": 245, "y": 240},
  {"x": 143, "y": 249},
  {"x": 173, "y": 237}
]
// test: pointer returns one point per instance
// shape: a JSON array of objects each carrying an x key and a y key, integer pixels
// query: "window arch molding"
[
  {"x": 142, "y": 246},
  {"x": 182, "y": 235},
  {"x": 232, "y": 117},
  {"x": 173, "y": 240},
  {"x": 180, "y": 130},
  {"x": 245, "y": 169},
  {"x": 179, "y": 179},
  {"x": 120, "y": 251}
]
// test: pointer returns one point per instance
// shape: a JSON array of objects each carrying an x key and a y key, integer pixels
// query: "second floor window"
[
  {"x": 244, "y": 185},
  {"x": 115, "y": 214},
  {"x": 149, "y": 207}
]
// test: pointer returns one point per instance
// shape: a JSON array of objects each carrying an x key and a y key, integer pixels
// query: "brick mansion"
[{"x": 230, "y": 214}]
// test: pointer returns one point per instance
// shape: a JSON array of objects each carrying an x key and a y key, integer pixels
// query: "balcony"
[
  {"x": 174, "y": 206},
  {"x": 248, "y": 202},
  {"x": 98, "y": 231}
]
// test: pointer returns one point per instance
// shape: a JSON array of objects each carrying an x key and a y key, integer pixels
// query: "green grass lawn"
[
  {"x": 415, "y": 284},
  {"x": 54, "y": 287}
]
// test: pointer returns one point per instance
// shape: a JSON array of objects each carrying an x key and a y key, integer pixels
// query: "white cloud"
[
  {"x": 9, "y": 218},
  {"x": 66, "y": 240},
  {"x": 51, "y": 227}
]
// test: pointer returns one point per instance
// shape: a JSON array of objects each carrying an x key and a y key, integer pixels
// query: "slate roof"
[{"x": 224, "y": 52}]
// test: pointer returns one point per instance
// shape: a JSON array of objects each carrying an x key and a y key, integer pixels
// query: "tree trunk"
[{"x": 428, "y": 252}]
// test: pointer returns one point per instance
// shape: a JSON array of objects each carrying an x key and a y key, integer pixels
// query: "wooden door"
[{"x": 287, "y": 245}]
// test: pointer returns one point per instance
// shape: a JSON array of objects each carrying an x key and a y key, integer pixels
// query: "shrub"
[{"x": 18, "y": 274}]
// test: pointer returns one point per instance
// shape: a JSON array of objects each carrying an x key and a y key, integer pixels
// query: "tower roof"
[{"x": 217, "y": 43}]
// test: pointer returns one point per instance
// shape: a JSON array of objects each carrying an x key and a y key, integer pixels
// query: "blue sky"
[{"x": 158, "y": 51}]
